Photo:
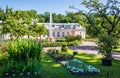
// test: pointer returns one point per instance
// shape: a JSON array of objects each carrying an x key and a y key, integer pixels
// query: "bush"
[
  {"x": 69, "y": 38},
  {"x": 60, "y": 40},
  {"x": 24, "y": 56},
  {"x": 78, "y": 37},
  {"x": 73, "y": 38},
  {"x": 56, "y": 44},
  {"x": 64, "y": 48}
]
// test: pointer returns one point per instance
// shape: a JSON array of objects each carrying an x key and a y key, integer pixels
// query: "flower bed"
[
  {"x": 79, "y": 67},
  {"x": 59, "y": 56},
  {"x": 23, "y": 58},
  {"x": 75, "y": 66}
]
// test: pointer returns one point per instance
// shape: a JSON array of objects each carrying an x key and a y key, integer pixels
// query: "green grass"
[
  {"x": 117, "y": 49},
  {"x": 52, "y": 69}
]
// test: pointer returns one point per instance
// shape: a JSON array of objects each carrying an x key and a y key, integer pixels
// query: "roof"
[{"x": 63, "y": 25}]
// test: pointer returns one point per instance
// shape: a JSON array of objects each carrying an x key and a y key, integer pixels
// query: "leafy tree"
[
  {"x": 1, "y": 13},
  {"x": 17, "y": 22},
  {"x": 105, "y": 24},
  {"x": 40, "y": 18},
  {"x": 46, "y": 16},
  {"x": 55, "y": 18},
  {"x": 38, "y": 30},
  {"x": 104, "y": 21}
]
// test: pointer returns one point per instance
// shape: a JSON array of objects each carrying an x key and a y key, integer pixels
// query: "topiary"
[{"x": 64, "y": 48}]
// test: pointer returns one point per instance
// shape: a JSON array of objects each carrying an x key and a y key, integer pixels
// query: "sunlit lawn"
[
  {"x": 117, "y": 49},
  {"x": 52, "y": 69}
]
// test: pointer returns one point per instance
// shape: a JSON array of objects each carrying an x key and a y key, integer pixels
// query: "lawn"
[
  {"x": 117, "y": 49},
  {"x": 52, "y": 69}
]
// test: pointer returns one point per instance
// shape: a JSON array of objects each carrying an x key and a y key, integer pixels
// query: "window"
[
  {"x": 67, "y": 33},
  {"x": 53, "y": 34},
  {"x": 80, "y": 33},
  {"x": 62, "y": 26},
  {"x": 53, "y": 25},
  {"x": 63, "y": 34},
  {"x": 58, "y": 34}
]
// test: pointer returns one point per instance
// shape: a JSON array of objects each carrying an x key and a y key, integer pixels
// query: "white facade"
[{"x": 60, "y": 30}]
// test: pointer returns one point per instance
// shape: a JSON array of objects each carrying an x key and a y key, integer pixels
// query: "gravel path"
[
  {"x": 91, "y": 48},
  {"x": 88, "y": 48}
]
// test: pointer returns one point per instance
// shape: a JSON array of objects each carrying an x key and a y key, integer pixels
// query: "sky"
[{"x": 41, "y": 6}]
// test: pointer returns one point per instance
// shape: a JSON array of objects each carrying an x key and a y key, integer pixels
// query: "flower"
[{"x": 3, "y": 50}]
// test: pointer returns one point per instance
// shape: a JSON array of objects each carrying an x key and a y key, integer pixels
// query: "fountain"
[{"x": 51, "y": 39}]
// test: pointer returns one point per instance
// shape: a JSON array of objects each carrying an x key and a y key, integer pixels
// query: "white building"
[{"x": 60, "y": 30}]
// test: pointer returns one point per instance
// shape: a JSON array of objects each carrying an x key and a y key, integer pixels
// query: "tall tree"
[
  {"x": 17, "y": 22},
  {"x": 40, "y": 18},
  {"x": 38, "y": 30},
  {"x": 1, "y": 13},
  {"x": 107, "y": 21},
  {"x": 47, "y": 16}
]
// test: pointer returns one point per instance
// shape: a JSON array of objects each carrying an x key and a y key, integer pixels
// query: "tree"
[
  {"x": 40, "y": 18},
  {"x": 1, "y": 13},
  {"x": 38, "y": 30},
  {"x": 104, "y": 19},
  {"x": 107, "y": 23},
  {"x": 55, "y": 18},
  {"x": 46, "y": 16},
  {"x": 17, "y": 22}
]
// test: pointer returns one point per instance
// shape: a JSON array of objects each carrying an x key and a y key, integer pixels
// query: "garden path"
[
  {"x": 91, "y": 48},
  {"x": 88, "y": 48}
]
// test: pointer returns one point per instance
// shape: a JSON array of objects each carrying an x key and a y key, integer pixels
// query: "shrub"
[
  {"x": 24, "y": 56},
  {"x": 58, "y": 57},
  {"x": 55, "y": 44},
  {"x": 73, "y": 38},
  {"x": 60, "y": 40},
  {"x": 64, "y": 48},
  {"x": 69, "y": 38},
  {"x": 78, "y": 37}
]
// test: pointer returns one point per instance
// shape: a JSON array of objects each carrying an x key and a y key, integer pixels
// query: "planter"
[{"x": 106, "y": 62}]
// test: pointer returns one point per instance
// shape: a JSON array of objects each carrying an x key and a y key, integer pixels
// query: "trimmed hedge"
[{"x": 56, "y": 44}]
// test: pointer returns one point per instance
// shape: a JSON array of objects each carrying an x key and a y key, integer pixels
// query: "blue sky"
[
  {"x": 56, "y": 6},
  {"x": 41, "y": 6}
]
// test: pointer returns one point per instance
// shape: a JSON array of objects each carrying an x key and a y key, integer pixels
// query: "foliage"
[
  {"x": 104, "y": 20},
  {"x": 14, "y": 22},
  {"x": 76, "y": 66},
  {"x": 38, "y": 30},
  {"x": 49, "y": 64},
  {"x": 73, "y": 38},
  {"x": 3, "y": 55},
  {"x": 64, "y": 48},
  {"x": 1, "y": 13},
  {"x": 105, "y": 45},
  {"x": 59, "y": 56},
  {"x": 60, "y": 40},
  {"x": 55, "y": 44},
  {"x": 24, "y": 57}
]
